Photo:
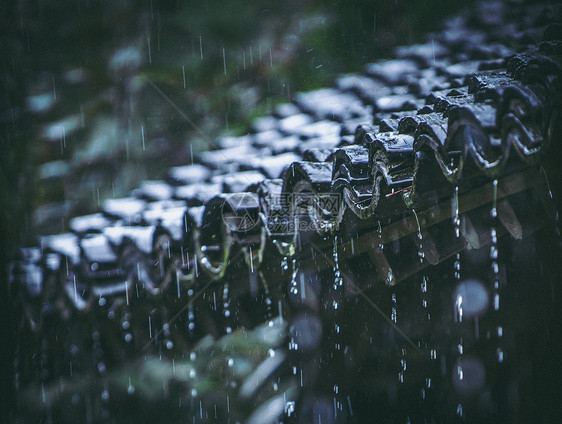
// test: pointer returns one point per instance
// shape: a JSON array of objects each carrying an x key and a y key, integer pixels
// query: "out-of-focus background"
[
  {"x": 97, "y": 96},
  {"x": 104, "y": 94}
]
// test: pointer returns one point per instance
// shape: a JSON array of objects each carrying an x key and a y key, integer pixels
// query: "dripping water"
[
  {"x": 457, "y": 229},
  {"x": 190, "y": 313},
  {"x": 425, "y": 311},
  {"x": 168, "y": 343},
  {"x": 555, "y": 212},
  {"x": 421, "y": 254},
  {"x": 457, "y": 278},
  {"x": 284, "y": 264},
  {"x": 293, "y": 286},
  {"x": 294, "y": 290},
  {"x": 337, "y": 295},
  {"x": 226, "y": 308},
  {"x": 494, "y": 252},
  {"x": 393, "y": 311},
  {"x": 379, "y": 235},
  {"x": 268, "y": 302}
]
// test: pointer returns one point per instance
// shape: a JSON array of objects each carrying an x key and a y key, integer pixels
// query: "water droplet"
[
  {"x": 294, "y": 289},
  {"x": 459, "y": 310},
  {"x": 390, "y": 277},
  {"x": 499, "y": 354}
]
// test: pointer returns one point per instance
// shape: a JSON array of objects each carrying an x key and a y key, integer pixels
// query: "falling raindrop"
[
  {"x": 268, "y": 302},
  {"x": 403, "y": 365},
  {"x": 379, "y": 235},
  {"x": 459, "y": 312},
  {"x": 499, "y": 354},
  {"x": 284, "y": 264},
  {"x": 494, "y": 256},
  {"x": 459, "y": 410},
  {"x": 456, "y": 214},
  {"x": 131, "y": 388},
  {"x": 293, "y": 286},
  {"x": 190, "y": 313},
  {"x": 226, "y": 308},
  {"x": 337, "y": 336},
  {"x": 421, "y": 254},
  {"x": 555, "y": 212}
]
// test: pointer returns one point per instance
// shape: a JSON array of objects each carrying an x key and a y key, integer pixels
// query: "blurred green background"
[{"x": 92, "y": 84}]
